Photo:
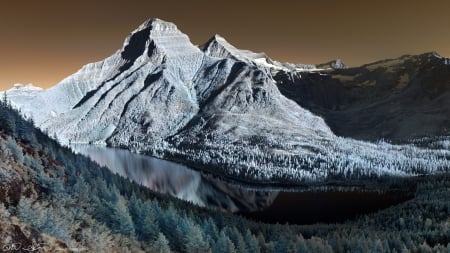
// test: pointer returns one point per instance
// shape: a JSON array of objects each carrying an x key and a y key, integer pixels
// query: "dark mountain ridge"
[{"x": 396, "y": 99}]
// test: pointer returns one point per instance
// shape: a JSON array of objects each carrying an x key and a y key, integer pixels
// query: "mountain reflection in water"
[
  {"x": 261, "y": 204},
  {"x": 178, "y": 180}
]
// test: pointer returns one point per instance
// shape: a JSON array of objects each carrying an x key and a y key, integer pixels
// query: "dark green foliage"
[
  {"x": 144, "y": 218},
  {"x": 121, "y": 219},
  {"x": 252, "y": 242},
  {"x": 8, "y": 118},
  {"x": 16, "y": 150},
  {"x": 72, "y": 188},
  {"x": 169, "y": 223},
  {"x": 193, "y": 237},
  {"x": 237, "y": 239},
  {"x": 224, "y": 244},
  {"x": 161, "y": 245}
]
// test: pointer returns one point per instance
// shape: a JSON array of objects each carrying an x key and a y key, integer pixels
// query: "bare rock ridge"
[
  {"x": 215, "y": 108},
  {"x": 219, "y": 47},
  {"x": 444, "y": 60},
  {"x": 396, "y": 99}
]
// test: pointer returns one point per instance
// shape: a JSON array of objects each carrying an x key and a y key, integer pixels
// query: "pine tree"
[
  {"x": 5, "y": 99},
  {"x": 237, "y": 239},
  {"x": 224, "y": 244},
  {"x": 161, "y": 245},
  {"x": 169, "y": 223},
  {"x": 147, "y": 228},
  {"x": 210, "y": 230},
  {"x": 194, "y": 240},
  {"x": 252, "y": 242},
  {"x": 121, "y": 219},
  {"x": 15, "y": 150}
]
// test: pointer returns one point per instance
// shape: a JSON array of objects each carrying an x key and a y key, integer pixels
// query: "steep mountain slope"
[
  {"x": 218, "y": 109},
  {"x": 397, "y": 99},
  {"x": 152, "y": 88}
]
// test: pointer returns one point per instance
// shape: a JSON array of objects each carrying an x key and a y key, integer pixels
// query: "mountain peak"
[
  {"x": 335, "y": 64},
  {"x": 219, "y": 39},
  {"x": 157, "y": 25},
  {"x": 156, "y": 38},
  {"x": 219, "y": 47},
  {"x": 338, "y": 64}
]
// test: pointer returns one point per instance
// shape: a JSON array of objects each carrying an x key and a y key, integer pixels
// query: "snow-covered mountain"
[{"x": 215, "y": 108}]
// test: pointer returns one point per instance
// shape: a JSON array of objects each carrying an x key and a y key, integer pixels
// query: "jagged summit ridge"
[
  {"x": 157, "y": 38},
  {"x": 219, "y": 47},
  {"x": 158, "y": 26}
]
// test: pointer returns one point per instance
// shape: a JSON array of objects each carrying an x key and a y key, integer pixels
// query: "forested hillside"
[{"x": 55, "y": 200}]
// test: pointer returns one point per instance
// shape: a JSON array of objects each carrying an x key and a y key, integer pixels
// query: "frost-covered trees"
[{"x": 313, "y": 161}]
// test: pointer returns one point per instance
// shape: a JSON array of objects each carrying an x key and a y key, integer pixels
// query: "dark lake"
[
  {"x": 258, "y": 203},
  {"x": 324, "y": 207}
]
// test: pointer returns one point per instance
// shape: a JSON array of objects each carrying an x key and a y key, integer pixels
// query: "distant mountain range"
[
  {"x": 246, "y": 116},
  {"x": 396, "y": 99}
]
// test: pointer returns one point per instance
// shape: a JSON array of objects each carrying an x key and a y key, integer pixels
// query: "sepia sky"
[{"x": 43, "y": 41}]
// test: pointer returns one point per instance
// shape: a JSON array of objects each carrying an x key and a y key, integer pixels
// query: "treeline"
[
  {"x": 70, "y": 197},
  {"x": 12, "y": 124},
  {"x": 312, "y": 161}
]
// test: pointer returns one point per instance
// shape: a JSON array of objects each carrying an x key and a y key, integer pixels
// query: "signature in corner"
[
  {"x": 18, "y": 246},
  {"x": 35, "y": 247},
  {"x": 12, "y": 246}
]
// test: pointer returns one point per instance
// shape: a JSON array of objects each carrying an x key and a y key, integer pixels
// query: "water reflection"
[
  {"x": 261, "y": 204},
  {"x": 178, "y": 180}
]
